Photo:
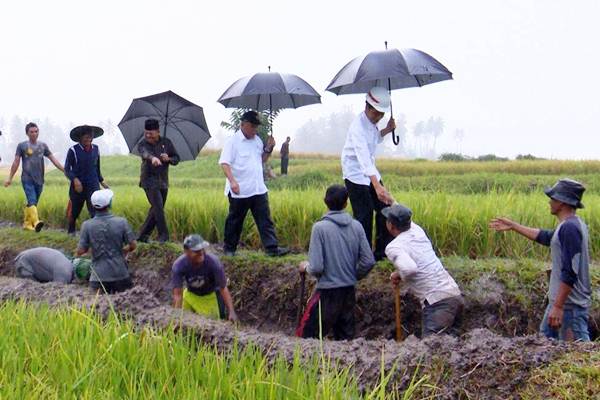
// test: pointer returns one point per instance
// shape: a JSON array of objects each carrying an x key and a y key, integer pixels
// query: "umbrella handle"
[{"x": 395, "y": 138}]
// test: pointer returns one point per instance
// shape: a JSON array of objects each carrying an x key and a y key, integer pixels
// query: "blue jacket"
[{"x": 84, "y": 165}]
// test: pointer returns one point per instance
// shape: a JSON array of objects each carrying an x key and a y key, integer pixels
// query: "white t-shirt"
[
  {"x": 244, "y": 156},
  {"x": 413, "y": 257},
  {"x": 358, "y": 154}
]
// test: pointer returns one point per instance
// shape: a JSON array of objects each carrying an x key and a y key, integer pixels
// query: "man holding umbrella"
[
  {"x": 157, "y": 154},
  {"x": 82, "y": 167},
  {"x": 242, "y": 161},
  {"x": 363, "y": 181}
]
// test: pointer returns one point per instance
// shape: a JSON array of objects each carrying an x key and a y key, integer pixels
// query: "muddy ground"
[
  {"x": 484, "y": 362},
  {"x": 479, "y": 364}
]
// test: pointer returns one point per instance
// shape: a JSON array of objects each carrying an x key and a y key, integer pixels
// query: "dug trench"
[{"x": 493, "y": 357}]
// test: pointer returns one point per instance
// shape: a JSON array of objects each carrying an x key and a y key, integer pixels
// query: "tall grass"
[{"x": 68, "y": 354}]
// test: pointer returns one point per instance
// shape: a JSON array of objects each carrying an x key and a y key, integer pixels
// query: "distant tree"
[
  {"x": 324, "y": 135},
  {"x": 265, "y": 117},
  {"x": 459, "y": 136},
  {"x": 452, "y": 157},
  {"x": 401, "y": 131},
  {"x": 435, "y": 128},
  {"x": 419, "y": 132},
  {"x": 491, "y": 157},
  {"x": 529, "y": 157}
]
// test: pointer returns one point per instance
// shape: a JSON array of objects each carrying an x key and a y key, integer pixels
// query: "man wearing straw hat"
[
  {"x": 570, "y": 291},
  {"x": 82, "y": 167}
]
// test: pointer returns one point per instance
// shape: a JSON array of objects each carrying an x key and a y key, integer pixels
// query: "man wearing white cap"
[
  {"x": 109, "y": 238},
  {"x": 363, "y": 181}
]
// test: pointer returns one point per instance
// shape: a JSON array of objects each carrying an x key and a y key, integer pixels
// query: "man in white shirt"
[
  {"x": 363, "y": 181},
  {"x": 242, "y": 161},
  {"x": 418, "y": 267}
]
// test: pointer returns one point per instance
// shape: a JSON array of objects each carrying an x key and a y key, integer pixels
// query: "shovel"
[
  {"x": 398, "y": 314},
  {"x": 301, "y": 304}
]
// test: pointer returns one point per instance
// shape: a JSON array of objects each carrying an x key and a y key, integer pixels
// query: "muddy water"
[{"x": 478, "y": 362}]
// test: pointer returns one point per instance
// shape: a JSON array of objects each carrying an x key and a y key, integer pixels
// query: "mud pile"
[{"x": 479, "y": 364}]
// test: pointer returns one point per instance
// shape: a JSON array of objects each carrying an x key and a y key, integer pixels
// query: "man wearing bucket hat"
[
  {"x": 421, "y": 270},
  {"x": 206, "y": 291},
  {"x": 569, "y": 292},
  {"x": 43, "y": 264},
  {"x": 110, "y": 239},
  {"x": 32, "y": 153},
  {"x": 363, "y": 181},
  {"x": 82, "y": 167}
]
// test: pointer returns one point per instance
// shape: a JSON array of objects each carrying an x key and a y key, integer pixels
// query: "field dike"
[{"x": 494, "y": 357}]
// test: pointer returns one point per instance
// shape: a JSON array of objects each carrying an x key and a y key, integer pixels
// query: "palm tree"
[{"x": 265, "y": 117}]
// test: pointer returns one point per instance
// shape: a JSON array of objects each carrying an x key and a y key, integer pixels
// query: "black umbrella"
[
  {"x": 271, "y": 91},
  {"x": 180, "y": 120},
  {"x": 394, "y": 69}
]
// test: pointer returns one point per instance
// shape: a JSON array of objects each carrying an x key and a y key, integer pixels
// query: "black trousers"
[
  {"x": 284, "y": 165},
  {"x": 337, "y": 314},
  {"x": 364, "y": 202},
  {"x": 111, "y": 287},
  {"x": 156, "y": 215},
  {"x": 76, "y": 202},
  {"x": 238, "y": 208}
]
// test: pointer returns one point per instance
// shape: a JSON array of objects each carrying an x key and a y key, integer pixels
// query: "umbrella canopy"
[
  {"x": 180, "y": 120},
  {"x": 270, "y": 91},
  {"x": 392, "y": 69}
]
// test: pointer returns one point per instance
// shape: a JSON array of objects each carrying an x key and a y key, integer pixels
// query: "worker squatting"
[{"x": 341, "y": 249}]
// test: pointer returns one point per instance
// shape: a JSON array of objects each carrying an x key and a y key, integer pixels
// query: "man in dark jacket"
[
  {"x": 82, "y": 167},
  {"x": 285, "y": 156},
  {"x": 157, "y": 154},
  {"x": 339, "y": 255}
]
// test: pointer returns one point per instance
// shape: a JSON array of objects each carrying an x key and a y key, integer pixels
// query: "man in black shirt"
[{"x": 157, "y": 154}]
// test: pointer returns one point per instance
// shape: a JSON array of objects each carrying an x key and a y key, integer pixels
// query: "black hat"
[
  {"x": 151, "y": 125},
  {"x": 79, "y": 131},
  {"x": 567, "y": 191},
  {"x": 398, "y": 215},
  {"x": 252, "y": 117}
]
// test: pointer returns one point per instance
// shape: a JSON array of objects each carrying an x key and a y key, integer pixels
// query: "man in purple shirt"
[{"x": 205, "y": 291}]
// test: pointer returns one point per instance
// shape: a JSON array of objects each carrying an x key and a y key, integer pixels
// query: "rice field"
[{"x": 453, "y": 201}]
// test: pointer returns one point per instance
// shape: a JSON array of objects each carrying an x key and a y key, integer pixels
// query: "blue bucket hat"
[{"x": 567, "y": 191}]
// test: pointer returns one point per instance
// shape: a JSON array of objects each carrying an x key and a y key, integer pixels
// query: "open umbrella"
[
  {"x": 180, "y": 120},
  {"x": 394, "y": 69},
  {"x": 271, "y": 91}
]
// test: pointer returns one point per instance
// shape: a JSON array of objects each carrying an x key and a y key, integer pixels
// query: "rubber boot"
[
  {"x": 35, "y": 221},
  {"x": 27, "y": 225}
]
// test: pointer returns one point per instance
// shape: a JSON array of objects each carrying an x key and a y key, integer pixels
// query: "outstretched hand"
[{"x": 501, "y": 224}]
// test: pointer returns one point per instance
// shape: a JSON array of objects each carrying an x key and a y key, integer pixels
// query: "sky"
[{"x": 525, "y": 72}]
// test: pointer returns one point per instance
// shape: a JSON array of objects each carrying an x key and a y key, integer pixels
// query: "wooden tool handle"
[{"x": 398, "y": 314}]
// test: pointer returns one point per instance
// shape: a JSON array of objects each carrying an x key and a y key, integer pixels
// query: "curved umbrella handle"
[{"x": 395, "y": 138}]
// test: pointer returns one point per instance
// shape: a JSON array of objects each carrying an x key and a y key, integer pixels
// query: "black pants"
[
  {"x": 337, "y": 314},
  {"x": 76, "y": 202},
  {"x": 238, "y": 208},
  {"x": 364, "y": 202},
  {"x": 156, "y": 215},
  {"x": 284, "y": 165},
  {"x": 444, "y": 316},
  {"x": 112, "y": 287}
]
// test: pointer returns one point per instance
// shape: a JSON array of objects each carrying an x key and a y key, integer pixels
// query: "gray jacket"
[{"x": 339, "y": 253}]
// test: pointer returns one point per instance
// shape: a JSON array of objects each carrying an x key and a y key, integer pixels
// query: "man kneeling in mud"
[
  {"x": 417, "y": 265},
  {"x": 339, "y": 255},
  {"x": 206, "y": 291},
  {"x": 110, "y": 239},
  {"x": 43, "y": 264}
]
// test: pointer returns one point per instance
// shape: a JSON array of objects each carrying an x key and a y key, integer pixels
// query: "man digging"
[
  {"x": 569, "y": 292},
  {"x": 206, "y": 291},
  {"x": 339, "y": 255},
  {"x": 421, "y": 270}
]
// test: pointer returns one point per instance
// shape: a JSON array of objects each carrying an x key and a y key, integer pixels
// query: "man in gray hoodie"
[{"x": 339, "y": 255}]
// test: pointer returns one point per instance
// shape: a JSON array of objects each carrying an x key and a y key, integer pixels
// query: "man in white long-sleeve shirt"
[
  {"x": 418, "y": 267},
  {"x": 362, "y": 179}
]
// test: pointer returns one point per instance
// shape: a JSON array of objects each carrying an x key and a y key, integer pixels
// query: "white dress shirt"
[
  {"x": 358, "y": 154},
  {"x": 244, "y": 156},
  {"x": 413, "y": 257}
]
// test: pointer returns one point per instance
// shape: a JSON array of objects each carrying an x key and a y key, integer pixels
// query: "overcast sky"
[{"x": 525, "y": 72}]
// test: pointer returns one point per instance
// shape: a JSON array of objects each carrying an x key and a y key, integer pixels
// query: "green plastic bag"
[{"x": 82, "y": 267}]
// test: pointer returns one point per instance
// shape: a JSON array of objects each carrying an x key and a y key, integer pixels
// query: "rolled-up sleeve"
[{"x": 402, "y": 261}]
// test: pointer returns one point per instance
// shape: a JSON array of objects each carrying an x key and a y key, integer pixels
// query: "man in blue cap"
[
  {"x": 569, "y": 292},
  {"x": 421, "y": 270}
]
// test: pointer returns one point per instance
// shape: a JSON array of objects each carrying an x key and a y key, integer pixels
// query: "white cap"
[
  {"x": 102, "y": 198},
  {"x": 379, "y": 98}
]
